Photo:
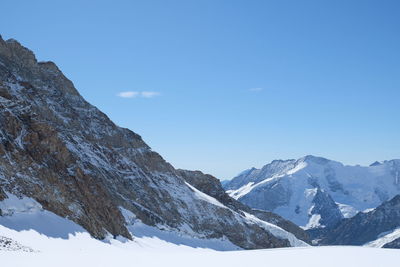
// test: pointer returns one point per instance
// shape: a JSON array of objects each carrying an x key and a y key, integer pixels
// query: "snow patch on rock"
[{"x": 384, "y": 238}]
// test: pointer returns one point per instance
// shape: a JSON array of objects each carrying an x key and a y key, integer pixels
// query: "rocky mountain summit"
[
  {"x": 66, "y": 155},
  {"x": 314, "y": 192}
]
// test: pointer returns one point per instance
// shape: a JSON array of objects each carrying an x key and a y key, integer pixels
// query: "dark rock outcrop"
[
  {"x": 366, "y": 227},
  {"x": 326, "y": 208},
  {"x": 394, "y": 244}
]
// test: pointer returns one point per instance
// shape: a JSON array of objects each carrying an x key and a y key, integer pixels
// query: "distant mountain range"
[{"x": 317, "y": 193}]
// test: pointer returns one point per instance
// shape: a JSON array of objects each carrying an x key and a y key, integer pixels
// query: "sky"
[{"x": 222, "y": 86}]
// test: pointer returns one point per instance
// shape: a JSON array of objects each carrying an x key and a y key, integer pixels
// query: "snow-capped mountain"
[
  {"x": 315, "y": 192},
  {"x": 65, "y": 160}
]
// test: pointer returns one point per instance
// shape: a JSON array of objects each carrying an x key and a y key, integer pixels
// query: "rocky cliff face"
[
  {"x": 368, "y": 226},
  {"x": 315, "y": 192},
  {"x": 68, "y": 156}
]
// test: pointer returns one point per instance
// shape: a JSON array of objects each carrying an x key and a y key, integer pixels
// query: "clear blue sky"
[{"x": 222, "y": 86}]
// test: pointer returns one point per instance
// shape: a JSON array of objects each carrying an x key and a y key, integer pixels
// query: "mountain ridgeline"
[
  {"x": 334, "y": 203},
  {"x": 71, "y": 158}
]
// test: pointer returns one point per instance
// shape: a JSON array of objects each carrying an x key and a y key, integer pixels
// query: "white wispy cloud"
[
  {"x": 256, "y": 89},
  {"x": 128, "y": 94},
  {"x": 132, "y": 94},
  {"x": 149, "y": 94}
]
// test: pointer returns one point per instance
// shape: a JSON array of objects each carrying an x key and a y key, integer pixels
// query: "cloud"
[
  {"x": 132, "y": 94},
  {"x": 257, "y": 89},
  {"x": 128, "y": 94},
  {"x": 148, "y": 94}
]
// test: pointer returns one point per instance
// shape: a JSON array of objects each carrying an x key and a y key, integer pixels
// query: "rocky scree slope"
[
  {"x": 68, "y": 156},
  {"x": 314, "y": 192}
]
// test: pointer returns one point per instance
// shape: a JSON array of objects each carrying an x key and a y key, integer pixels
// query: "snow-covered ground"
[
  {"x": 153, "y": 247},
  {"x": 79, "y": 249},
  {"x": 82, "y": 252}
]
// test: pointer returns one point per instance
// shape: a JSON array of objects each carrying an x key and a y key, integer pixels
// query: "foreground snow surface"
[
  {"x": 34, "y": 237},
  {"x": 299, "y": 257},
  {"x": 79, "y": 249}
]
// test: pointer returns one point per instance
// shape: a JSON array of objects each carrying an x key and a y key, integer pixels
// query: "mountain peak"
[
  {"x": 14, "y": 51},
  {"x": 314, "y": 159},
  {"x": 19, "y": 60},
  {"x": 376, "y": 163}
]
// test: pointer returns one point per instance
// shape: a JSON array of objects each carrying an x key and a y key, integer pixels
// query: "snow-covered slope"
[
  {"x": 384, "y": 238},
  {"x": 24, "y": 214},
  {"x": 316, "y": 192}
]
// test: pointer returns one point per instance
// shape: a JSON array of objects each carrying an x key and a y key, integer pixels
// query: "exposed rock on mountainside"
[
  {"x": 324, "y": 210},
  {"x": 393, "y": 244},
  {"x": 314, "y": 192},
  {"x": 212, "y": 186},
  {"x": 8, "y": 244},
  {"x": 68, "y": 156},
  {"x": 366, "y": 227}
]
